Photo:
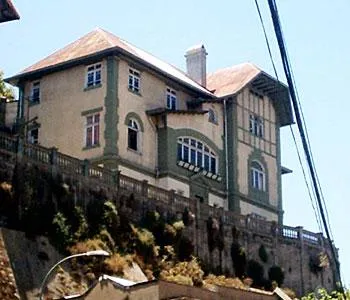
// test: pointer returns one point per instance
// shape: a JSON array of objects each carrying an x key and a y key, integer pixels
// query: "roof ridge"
[{"x": 106, "y": 34}]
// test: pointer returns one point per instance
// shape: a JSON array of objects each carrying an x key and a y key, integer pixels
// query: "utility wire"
[
  {"x": 312, "y": 200},
  {"x": 287, "y": 70}
]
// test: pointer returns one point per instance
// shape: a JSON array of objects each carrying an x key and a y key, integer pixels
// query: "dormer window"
[
  {"x": 93, "y": 75},
  {"x": 171, "y": 99}
]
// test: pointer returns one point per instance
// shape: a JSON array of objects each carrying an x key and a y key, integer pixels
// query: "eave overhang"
[
  {"x": 278, "y": 93},
  {"x": 7, "y": 11},
  {"x": 116, "y": 51}
]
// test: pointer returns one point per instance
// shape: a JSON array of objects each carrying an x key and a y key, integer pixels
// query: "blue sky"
[{"x": 318, "y": 46}]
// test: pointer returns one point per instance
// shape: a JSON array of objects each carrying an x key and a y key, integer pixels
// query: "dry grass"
[
  {"x": 88, "y": 245},
  {"x": 116, "y": 264},
  {"x": 187, "y": 272},
  {"x": 224, "y": 281}
]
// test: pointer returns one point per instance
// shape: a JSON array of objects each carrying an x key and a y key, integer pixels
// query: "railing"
[
  {"x": 69, "y": 163},
  {"x": 8, "y": 143},
  {"x": 130, "y": 184},
  {"x": 179, "y": 203},
  {"x": 37, "y": 153}
]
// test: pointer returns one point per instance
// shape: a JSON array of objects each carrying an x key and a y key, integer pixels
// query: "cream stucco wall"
[
  {"x": 62, "y": 101},
  {"x": 152, "y": 95},
  {"x": 264, "y": 148}
]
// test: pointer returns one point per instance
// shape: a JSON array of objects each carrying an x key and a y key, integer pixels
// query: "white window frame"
[
  {"x": 35, "y": 92},
  {"x": 134, "y": 82},
  {"x": 258, "y": 176},
  {"x": 134, "y": 126},
  {"x": 94, "y": 125},
  {"x": 95, "y": 73},
  {"x": 256, "y": 125},
  {"x": 171, "y": 99},
  {"x": 197, "y": 153}
]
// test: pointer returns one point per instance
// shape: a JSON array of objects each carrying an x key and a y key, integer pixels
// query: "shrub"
[
  {"x": 276, "y": 274},
  {"x": 224, "y": 281},
  {"x": 188, "y": 272},
  {"x": 88, "y": 245},
  {"x": 256, "y": 271},
  {"x": 238, "y": 259},
  {"x": 263, "y": 254},
  {"x": 62, "y": 237},
  {"x": 116, "y": 264}
]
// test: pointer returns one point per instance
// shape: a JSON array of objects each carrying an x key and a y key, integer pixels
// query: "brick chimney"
[{"x": 196, "y": 62}]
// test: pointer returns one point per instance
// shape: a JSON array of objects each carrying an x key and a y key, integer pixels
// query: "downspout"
[{"x": 226, "y": 149}]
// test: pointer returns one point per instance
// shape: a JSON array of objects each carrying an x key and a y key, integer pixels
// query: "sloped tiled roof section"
[
  {"x": 99, "y": 41},
  {"x": 230, "y": 80}
]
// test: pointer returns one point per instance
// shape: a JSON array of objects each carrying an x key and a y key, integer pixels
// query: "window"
[
  {"x": 133, "y": 132},
  {"x": 256, "y": 125},
  {"x": 35, "y": 93},
  {"x": 33, "y": 136},
  {"x": 196, "y": 153},
  {"x": 134, "y": 80},
  {"x": 170, "y": 99},
  {"x": 93, "y": 75},
  {"x": 257, "y": 176},
  {"x": 212, "y": 116},
  {"x": 92, "y": 130}
]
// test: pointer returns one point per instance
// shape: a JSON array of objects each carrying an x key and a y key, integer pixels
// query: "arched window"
[
  {"x": 212, "y": 116},
  {"x": 258, "y": 180},
  {"x": 197, "y": 154},
  {"x": 133, "y": 135}
]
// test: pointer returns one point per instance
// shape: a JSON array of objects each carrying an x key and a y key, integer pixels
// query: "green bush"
[
  {"x": 256, "y": 272},
  {"x": 276, "y": 274},
  {"x": 263, "y": 254}
]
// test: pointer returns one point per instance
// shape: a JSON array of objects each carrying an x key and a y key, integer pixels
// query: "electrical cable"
[
  {"x": 287, "y": 70},
  {"x": 312, "y": 200}
]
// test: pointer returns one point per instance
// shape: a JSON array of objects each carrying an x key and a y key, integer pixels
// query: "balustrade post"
[
  {"x": 144, "y": 188},
  {"x": 53, "y": 160},
  {"x": 85, "y": 167},
  {"x": 20, "y": 148},
  {"x": 172, "y": 197}
]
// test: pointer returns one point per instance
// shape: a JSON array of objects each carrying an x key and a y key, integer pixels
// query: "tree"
[{"x": 5, "y": 91}]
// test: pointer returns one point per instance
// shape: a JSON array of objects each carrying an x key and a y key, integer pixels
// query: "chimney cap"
[{"x": 196, "y": 49}]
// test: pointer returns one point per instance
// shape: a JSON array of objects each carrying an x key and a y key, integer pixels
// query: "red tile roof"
[
  {"x": 99, "y": 41},
  {"x": 230, "y": 80}
]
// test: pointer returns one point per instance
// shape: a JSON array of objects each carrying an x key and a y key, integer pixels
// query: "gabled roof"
[
  {"x": 99, "y": 42},
  {"x": 7, "y": 11},
  {"x": 230, "y": 81}
]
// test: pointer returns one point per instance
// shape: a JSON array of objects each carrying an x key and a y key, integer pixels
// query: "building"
[
  {"x": 212, "y": 137},
  {"x": 8, "y": 11}
]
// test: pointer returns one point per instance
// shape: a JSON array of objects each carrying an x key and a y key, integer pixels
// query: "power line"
[
  {"x": 312, "y": 200},
  {"x": 289, "y": 77}
]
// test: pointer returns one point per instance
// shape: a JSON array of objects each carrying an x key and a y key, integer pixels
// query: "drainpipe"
[{"x": 226, "y": 149}]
